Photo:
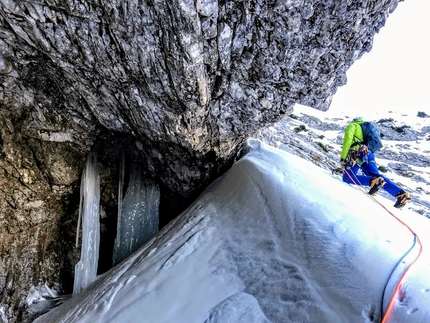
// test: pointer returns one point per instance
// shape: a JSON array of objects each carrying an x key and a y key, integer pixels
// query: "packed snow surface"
[{"x": 276, "y": 239}]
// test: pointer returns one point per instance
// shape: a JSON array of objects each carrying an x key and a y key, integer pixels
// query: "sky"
[
  {"x": 266, "y": 242},
  {"x": 394, "y": 75}
]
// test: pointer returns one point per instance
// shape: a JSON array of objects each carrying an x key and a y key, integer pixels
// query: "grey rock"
[
  {"x": 401, "y": 169},
  {"x": 394, "y": 132},
  {"x": 408, "y": 157},
  {"x": 316, "y": 123},
  {"x": 422, "y": 114}
]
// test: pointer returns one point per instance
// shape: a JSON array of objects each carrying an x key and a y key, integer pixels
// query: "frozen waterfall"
[
  {"x": 137, "y": 212},
  {"x": 86, "y": 268}
]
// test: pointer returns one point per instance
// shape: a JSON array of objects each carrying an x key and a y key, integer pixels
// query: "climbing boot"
[
  {"x": 402, "y": 198},
  {"x": 375, "y": 184}
]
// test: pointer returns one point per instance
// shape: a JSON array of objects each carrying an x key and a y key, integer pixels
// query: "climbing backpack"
[{"x": 372, "y": 136}]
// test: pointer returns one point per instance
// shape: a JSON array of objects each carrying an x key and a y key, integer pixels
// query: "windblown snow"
[{"x": 276, "y": 239}]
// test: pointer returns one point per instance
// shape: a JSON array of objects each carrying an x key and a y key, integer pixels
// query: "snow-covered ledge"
[{"x": 275, "y": 238}]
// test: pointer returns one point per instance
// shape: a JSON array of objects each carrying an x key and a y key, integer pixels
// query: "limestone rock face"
[{"x": 179, "y": 83}]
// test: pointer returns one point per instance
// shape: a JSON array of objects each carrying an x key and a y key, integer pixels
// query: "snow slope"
[
  {"x": 273, "y": 240},
  {"x": 405, "y": 155}
]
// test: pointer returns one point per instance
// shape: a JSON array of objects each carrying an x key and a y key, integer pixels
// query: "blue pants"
[{"x": 369, "y": 169}]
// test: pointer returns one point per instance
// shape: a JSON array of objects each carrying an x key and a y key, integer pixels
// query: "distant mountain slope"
[{"x": 317, "y": 137}]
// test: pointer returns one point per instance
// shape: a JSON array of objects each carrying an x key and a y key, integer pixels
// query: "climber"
[{"x": 355, "y": 155}]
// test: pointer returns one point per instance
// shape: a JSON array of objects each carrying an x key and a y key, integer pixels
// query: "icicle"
[
  {"x": 118, "y": 239},
  {"x": 81, "y": 194},
  {"x": 138, "y": 217},
  {"x": 121, "y": 185},
  {"x": 86, "y": 268}
]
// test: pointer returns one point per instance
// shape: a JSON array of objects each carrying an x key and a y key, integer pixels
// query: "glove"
[
  {"x": 364, "y": 150},
  {"x": 342, "y": 162}
]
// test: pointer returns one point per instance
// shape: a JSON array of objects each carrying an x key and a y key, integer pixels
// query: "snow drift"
[{"x": 276, "y": 239}]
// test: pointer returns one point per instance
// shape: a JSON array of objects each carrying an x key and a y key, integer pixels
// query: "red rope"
[{"x": 397, "y": 291}]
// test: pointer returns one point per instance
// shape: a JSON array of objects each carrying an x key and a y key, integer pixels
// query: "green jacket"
[{"x": 353, "y": 134}]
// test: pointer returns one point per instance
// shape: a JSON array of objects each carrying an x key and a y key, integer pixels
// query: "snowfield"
[{"x": 276, "y": 239}]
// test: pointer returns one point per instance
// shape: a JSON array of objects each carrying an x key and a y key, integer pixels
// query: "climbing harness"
[{"x": 351, "y": 158}]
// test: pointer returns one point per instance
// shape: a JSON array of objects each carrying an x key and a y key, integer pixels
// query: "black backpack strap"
[{"x": 356, "y": 142}]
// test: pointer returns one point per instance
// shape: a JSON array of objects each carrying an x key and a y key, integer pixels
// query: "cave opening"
[{"x": 109, "y": 149}]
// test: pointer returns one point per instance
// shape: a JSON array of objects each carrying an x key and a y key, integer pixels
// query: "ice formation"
[
  {"x": 86, "y": 268},
  {"x": 137, "y": 213}
]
